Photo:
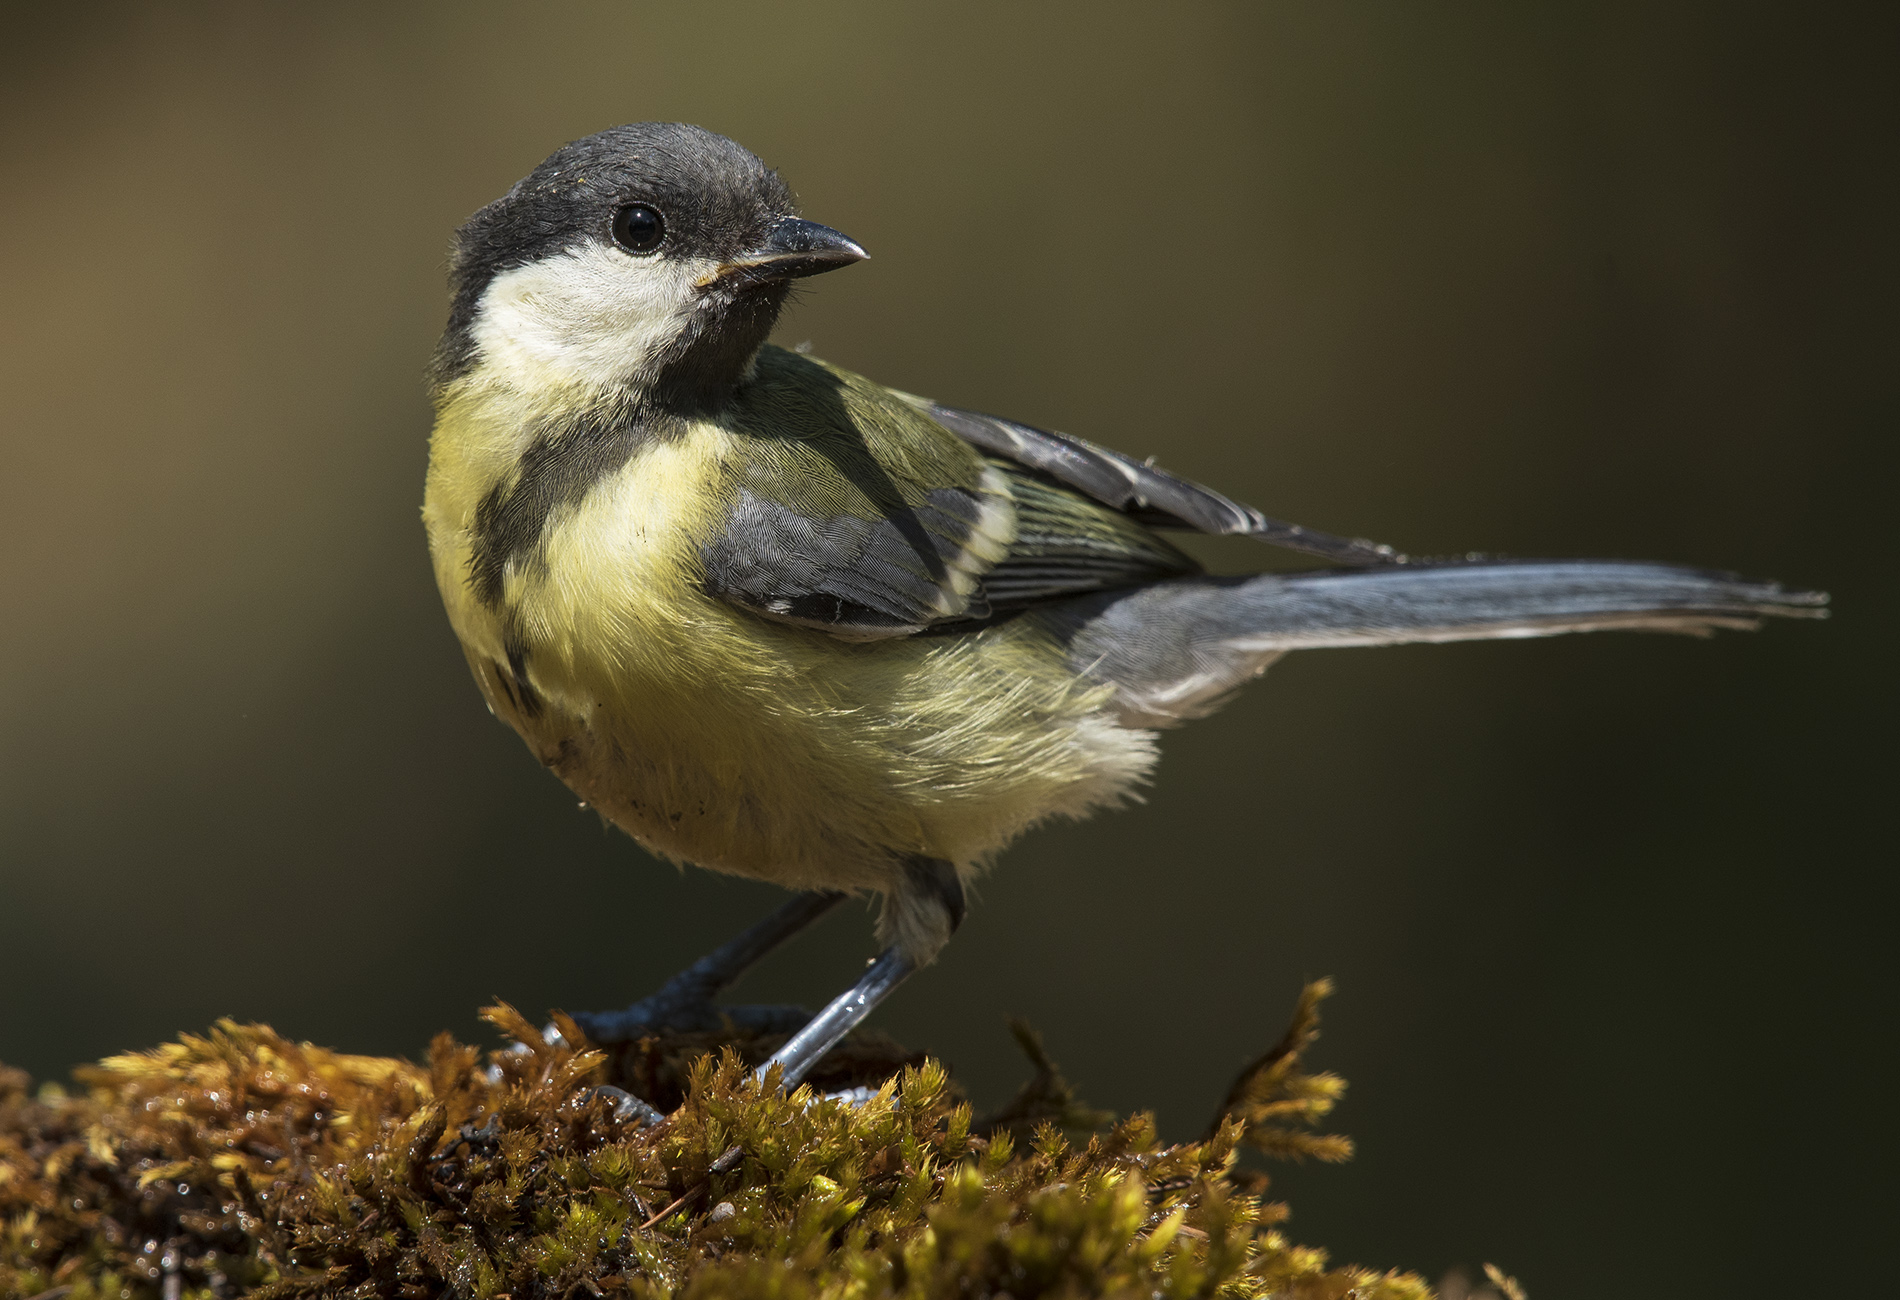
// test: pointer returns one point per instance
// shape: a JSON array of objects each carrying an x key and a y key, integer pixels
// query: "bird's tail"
[{"x": 1176, "y": 649}]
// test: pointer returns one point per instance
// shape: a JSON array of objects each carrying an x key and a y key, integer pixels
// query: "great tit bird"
[{"x": 772, "y": 618}]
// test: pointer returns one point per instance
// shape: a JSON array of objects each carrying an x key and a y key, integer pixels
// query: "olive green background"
[{"x": 1610, "y": 915}]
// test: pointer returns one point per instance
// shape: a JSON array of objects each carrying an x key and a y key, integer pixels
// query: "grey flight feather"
[
  {"x": 1143, "y": 492},
  {"x": 1175, "y": 650}
]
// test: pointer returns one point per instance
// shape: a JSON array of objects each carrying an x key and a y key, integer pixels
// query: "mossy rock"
[{"x": 241, "y": 1163}]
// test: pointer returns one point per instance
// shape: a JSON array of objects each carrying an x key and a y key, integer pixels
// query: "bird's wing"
[
  {"x": 1141, "y": 491},
  {"x": 850, "y": 510},
  {"x": 1067, "y": 544}
]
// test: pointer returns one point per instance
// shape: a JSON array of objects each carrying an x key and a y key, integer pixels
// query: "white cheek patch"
[{"x": 591, "y": 315}]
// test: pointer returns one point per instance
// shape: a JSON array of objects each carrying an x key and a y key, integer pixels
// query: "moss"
[{"x": 241, "y": 1163}]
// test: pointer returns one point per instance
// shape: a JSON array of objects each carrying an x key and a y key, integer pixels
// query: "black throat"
[{"x": 703, "y": 368}]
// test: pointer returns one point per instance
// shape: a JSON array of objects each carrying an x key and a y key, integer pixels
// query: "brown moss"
[{"x": 240, "y": 1163}]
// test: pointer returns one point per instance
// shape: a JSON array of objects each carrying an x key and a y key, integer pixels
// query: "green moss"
[{"x": 240, "y": 1163}]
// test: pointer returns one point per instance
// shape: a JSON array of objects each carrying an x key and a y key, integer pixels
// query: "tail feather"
[{"x": 1176, "y": 649}]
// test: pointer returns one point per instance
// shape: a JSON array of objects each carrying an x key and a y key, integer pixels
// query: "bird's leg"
[
  {"x": 922, "y": 910},
  {"x": 686, "y": 1000},
  {"x": 845, "y": 1012}
]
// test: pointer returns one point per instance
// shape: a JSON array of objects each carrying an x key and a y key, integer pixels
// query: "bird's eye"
[{"x": 638, "y": 228}]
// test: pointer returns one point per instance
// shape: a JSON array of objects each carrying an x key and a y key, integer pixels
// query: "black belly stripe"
[
  {"x": 527, "y": 698},
  {"x": 561, "y": 464}
]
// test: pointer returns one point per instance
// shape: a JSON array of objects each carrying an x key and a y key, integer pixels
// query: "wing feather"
[{"x": 1142, "y": 491}]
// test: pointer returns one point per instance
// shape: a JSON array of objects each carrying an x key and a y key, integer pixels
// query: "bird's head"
[{"x": 649, "y": 260}]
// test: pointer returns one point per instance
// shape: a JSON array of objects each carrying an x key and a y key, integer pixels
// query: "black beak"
[{"x": 792, "y": 248}]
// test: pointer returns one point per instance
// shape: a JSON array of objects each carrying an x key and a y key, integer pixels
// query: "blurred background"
[{"x": 1608, "y": 914}]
